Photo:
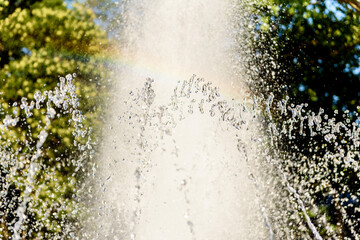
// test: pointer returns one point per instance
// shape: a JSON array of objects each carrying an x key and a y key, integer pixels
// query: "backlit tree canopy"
[
  {"x": 309, "y": 51},
  {"x": 40, "y": 41},
  {"x": 315, "y": 45}
]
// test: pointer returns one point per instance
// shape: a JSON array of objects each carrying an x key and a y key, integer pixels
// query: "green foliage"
[
  {"x": 310, "y": 51},
  {"x": 108, "y": 14},
  {"x": 39, "y": 42},
  {"x": 316, "y": 52}
]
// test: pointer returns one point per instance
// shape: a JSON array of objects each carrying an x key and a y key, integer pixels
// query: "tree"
[
  {"x": 353, "y": 3},
  {"x": 41, "y": 40},
  {"x": 317, "y": 51},
  {"x": 309, "y": 51}
]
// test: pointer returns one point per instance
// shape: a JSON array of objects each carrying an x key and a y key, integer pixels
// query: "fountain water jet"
[
  {"x": 169, "y": 171},
  {"x": 180, "y": 160},
  {"x": 163, "y": 175}
]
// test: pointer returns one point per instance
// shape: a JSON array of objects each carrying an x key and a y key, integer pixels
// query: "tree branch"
[{"x": 353, "y": 3}]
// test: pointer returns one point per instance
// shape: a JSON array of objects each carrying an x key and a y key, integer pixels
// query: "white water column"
[{"x": 191, "y": 182}]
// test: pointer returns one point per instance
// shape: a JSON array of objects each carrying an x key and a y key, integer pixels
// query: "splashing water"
[
  {"x": 23, "y": 162},
  {"x": 162, "y": 175},
  {"x": 186, "y": 157},
  {"x": 188, "y": 163}
]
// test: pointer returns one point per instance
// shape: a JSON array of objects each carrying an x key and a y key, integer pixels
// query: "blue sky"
[{"x": 332, "y": 5}]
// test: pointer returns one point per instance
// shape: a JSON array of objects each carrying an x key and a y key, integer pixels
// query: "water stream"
[
  {"x": 197, "y": 156},
  {"x": 172, "y": 170},
  {"x": 187, "y": 150}
]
